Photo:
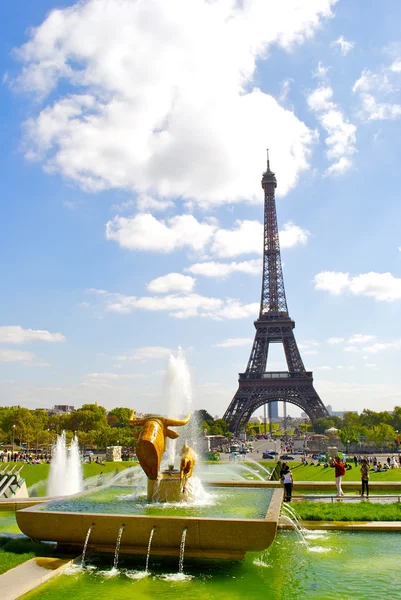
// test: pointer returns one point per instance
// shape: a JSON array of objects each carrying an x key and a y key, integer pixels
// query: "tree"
[
  {"x": 349, "y": 435},
  {"x": 202, "y": 415},
  {"x": 123, "y": 415},
  {"x": 219, "y": 427},
  {"x": 320, "y": 425},
  {"x": 382, "y": 434}
]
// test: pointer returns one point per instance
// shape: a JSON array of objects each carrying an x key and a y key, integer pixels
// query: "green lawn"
[
  {"x": 301, "y": 472},
  {"x": 16, "y": 552},
  {"x": 345, "y": 511},
  {"x": 35, "y": 473}
]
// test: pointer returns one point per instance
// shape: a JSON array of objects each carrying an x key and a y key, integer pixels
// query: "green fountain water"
[{"x": 334, "y": 566}]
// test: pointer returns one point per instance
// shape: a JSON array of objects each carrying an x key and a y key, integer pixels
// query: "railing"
[{"x": 277, "y": 375}]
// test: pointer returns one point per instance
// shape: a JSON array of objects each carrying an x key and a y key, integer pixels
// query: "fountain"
[
  {"x": 225, "y": 520},
  {"x": 65, "y": 477}
]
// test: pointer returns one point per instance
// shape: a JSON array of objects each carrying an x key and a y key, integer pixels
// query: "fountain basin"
[{"x": 209, "y": 534}]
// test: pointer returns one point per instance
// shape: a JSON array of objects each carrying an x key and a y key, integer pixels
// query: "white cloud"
[
  {"x": 340, "y": 167},
  {"x": 21, "y": 356},
  {"x": 335, "y": 340},
  {"x": 321, "y": 71},
  {"x": 308, "y": 344},
  {"x": 147, "y": 353},
  {"x": 350, "y": 349},
  {"x": 110, "y": 377},
  {"x": 156, "y": 89},
  {"x": 246, "y": 238},
  {"x": 331, "y": 281},
  {"x": 145, "y": 232},
  {"x": 285, "y": 87},
  {"x": 343, "y": 45},
  {"x": 173, "y": 282},
  {"x": 371, "y": 365},
  {"x": 147, "y": 203},
  {"x": 373, "y": 89},
  {"x": 381, "y": 286},
  {"x": 375, "y": 348},
  {"x": 360, "y": 338},
  {"x": 181, "y": 306},
  {"x": 14, "y": 334},
  {"x": 219, "y": 269},
  {"x": 341, "y": 134},
  {"x": 235, "y": 342},
  {"x": 292, "y": 235},
  {"x": 324, "y": 368}
]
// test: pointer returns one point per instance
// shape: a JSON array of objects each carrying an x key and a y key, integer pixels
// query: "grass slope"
[
  {"x": 301, "y": 472},
  {"x": 16, "y": 552},
  {"x": 35, "y": 473},
  {"x": 341, "y": 511}
]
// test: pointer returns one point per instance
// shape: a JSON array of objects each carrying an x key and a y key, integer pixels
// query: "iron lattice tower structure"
[{"x": 257, "y": 386}]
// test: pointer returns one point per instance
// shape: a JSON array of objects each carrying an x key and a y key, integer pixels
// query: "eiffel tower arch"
[{"x": 273, "y": 326}]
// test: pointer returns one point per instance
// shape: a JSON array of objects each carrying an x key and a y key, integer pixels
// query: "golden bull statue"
[
  {"x": 188, "y": 460},
  {"x": 152, "y": 441}
]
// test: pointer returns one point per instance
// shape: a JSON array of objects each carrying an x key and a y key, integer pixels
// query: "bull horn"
[{"x": 177, "y": 422}]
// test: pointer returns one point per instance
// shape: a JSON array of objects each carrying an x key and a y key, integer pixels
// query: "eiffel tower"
[{"x": 257, "y": 386}]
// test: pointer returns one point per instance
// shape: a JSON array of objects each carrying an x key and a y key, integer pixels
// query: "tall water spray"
[
  {"x": 65, "y": 476},
  {"x": 179, "y": 393}
]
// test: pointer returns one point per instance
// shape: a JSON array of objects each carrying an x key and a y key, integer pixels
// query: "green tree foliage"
[
  {"x": 382, "y": 434},
  {"x": 349, "y": 435},
  {"x": 123, "y": 415}
]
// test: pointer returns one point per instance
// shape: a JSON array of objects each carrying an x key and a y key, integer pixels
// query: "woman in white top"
[{"x": 288, "y": 482}]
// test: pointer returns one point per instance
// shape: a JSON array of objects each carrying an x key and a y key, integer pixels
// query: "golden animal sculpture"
[
  {"x": 152, "y": 441},
  {"x": 188, "y": 460}
]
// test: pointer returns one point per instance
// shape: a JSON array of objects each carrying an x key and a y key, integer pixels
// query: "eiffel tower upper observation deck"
[{"x": 274, "y": 326}]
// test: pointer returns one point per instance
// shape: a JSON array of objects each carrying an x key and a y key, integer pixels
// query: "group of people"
[
  {"x": 339, "y": 471},
  {"x": 391, "y": 462},
  {"x": 29, "y": 458}
]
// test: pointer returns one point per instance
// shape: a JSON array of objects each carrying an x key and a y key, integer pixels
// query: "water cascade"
[
  {"x": 86, "y": 545},
  {"x": 255, "y": 473},
  {"x": 288, "y": 509},
  {"x": 179, "y": 392},
  {"x": 149, "y": 546},
  {"x": 116, "y": 553},
  {"x": 294, "y": 522},
  {"x": 259, "y": 466},
  {"x": 65, "y": 476},
  {"x": 182, "y": 550}
]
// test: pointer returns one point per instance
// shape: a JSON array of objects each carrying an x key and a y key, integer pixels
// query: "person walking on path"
[
  {"x": 288, "y": 481},
  {"x": 365, "y": 478},
  {"x": 339, "y": 468}
]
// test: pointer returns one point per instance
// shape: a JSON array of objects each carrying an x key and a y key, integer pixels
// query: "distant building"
[
  {"x": 61, "y": 409},
  {"x": 273, "y": 410}
]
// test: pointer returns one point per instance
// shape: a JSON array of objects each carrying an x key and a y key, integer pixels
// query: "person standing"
[
  {"x": 339, "y": 469},
  {"x": 288, "y": 481},
  {"x": 365, "y": 477}
]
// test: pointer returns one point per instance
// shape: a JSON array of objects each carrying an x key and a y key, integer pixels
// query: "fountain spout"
[
  {"x": 182, "y": 550},
  {"x": 118, "y": 544},
  {"x": 86, "y": 545}
]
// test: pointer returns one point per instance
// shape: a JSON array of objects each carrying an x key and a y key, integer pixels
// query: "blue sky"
[{"x": 133, "y": 143}]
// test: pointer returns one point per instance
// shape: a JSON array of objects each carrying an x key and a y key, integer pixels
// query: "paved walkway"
[{"x": 20, "y": 580}]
